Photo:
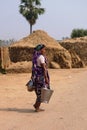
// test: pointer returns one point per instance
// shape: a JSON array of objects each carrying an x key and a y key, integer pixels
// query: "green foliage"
[
  {"x": 85, "y": 32},
  {"x": 78, "y": 33},
  {"x": 30, "y": 9}
]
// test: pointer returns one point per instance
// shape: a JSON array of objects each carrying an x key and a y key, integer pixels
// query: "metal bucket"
[{"x": 46, "y": 95}]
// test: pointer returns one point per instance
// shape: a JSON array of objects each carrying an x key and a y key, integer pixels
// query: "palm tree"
[{"x": 30, "y": 9}]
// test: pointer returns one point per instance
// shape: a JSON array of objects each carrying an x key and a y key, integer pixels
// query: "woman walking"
[{"x": 40, "y": 74}]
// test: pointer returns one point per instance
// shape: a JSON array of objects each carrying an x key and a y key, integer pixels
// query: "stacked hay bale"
[
  {"x": 71, "y": 53},
  {"x": 78, "y": 50},
  {"x": 22, "y": 50}
]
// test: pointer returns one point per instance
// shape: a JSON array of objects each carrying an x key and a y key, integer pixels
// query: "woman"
[{"x": 40, "y": 74}]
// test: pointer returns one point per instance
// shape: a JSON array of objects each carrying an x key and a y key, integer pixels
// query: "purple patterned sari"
[{"x": 38, "y": 76}]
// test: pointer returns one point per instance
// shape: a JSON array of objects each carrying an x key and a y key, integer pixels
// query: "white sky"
[{"x": 60, "y": 18}]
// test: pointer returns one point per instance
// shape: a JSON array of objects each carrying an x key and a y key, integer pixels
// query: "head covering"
[{"x": 39, "y": 47}]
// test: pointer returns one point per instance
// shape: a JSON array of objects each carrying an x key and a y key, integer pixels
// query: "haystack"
[
  {"x": 21, "y": 52},
  {"x": 79, "y": 47},
  {"x": 37, "y": 37}
]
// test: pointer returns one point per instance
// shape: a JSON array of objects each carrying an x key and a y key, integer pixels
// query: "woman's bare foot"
[{"x": 37, "y": 109}]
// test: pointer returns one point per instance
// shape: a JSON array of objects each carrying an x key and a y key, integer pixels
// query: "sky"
[{"x": 59, "y": 19}]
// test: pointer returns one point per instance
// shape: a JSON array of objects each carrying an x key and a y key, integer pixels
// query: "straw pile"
[
  {"x": 78, "y": 46},
  {"x": 60, "y": 55},
  {"x": 22, "y": 51},
  {"x": 37, "y": 37}
]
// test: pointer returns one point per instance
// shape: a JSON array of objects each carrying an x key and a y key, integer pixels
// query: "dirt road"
[{"x": 67, "y": 109}]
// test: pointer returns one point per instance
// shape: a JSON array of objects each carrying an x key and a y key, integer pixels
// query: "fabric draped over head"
[{"x": 39, "y": 47}]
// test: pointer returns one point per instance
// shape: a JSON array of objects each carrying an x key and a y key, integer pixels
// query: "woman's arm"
[{"x": 45, "y": 73}]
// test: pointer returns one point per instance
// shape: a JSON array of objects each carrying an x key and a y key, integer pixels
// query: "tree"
[
  {"x": 85, "y": 32},
  {"x": 30, "y": 9},
  {"x": 78, "y": 33}
]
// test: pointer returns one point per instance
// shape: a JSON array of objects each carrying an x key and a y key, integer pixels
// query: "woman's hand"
[{"x": 46, "y": 80}]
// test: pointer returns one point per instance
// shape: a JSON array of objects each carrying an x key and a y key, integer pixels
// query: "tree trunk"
[{"x": 30, "y": 28}]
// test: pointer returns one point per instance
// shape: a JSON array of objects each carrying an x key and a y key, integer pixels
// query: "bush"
[{"x": 78, "y": 33}]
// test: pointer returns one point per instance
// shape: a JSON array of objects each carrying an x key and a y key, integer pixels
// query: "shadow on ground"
[{"x": 20, "y": 110}]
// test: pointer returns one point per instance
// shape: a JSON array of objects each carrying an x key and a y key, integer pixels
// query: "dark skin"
[
  {"x": 42, "y": 51},
  {"x": 45, "y": 73}
]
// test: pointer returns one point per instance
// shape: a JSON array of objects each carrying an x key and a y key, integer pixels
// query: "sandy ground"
[{"x": 67, "y": 109}]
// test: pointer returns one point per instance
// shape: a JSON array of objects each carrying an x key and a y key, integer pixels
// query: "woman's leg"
[
  {"x": 38, "y": 100},
  {"x": 36, "y": 106}
]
